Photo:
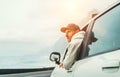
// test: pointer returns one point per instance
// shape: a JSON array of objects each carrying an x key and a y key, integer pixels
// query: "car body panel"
[
  {"x": 60, "y": 72},
  {"x": 104, "y": 65}
]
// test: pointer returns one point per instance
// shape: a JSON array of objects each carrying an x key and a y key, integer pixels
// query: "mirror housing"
[{"x": 55, "y": 57}]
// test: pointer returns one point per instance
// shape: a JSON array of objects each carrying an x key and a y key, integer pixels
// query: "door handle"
[
  {"x": 69, "y": 71},
  {"x": 111, "y": 66}
]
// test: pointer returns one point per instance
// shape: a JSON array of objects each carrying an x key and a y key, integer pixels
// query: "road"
[{"x": 46, "y": 73}]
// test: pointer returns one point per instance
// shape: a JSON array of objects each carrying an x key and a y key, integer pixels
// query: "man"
[{"x": 74, "y": 37}]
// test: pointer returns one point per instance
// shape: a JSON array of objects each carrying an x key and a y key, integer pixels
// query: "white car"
[{"x": 100, "y": 52}]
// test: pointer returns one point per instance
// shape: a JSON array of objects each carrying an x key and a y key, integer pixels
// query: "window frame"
[{"x": 89, "y": 31}]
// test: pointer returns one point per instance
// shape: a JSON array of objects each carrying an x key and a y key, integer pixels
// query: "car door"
[
  {"x": 103, "y": 46},
  {"x": 61, "y": 72}
]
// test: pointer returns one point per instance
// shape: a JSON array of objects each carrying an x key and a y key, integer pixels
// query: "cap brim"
[{"x": 63, "y": 29}]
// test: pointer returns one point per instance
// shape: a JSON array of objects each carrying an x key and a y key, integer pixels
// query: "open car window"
[{"x": 26, "y": 36}]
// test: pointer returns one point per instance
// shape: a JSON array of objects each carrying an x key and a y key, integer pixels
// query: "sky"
[{"x": 39, "y": 21}]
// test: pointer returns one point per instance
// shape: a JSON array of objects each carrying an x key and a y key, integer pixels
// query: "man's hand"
[{"x": 60, "y": 65}]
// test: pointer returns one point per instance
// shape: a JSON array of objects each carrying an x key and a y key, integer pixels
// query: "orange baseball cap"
[{"x": 71, "y": 26}]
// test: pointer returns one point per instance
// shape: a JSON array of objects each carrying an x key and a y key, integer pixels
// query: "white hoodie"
[{"x": 73, "y": 46}]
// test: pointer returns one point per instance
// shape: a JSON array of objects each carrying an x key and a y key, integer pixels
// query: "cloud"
[{"x": 39, "y": 21}]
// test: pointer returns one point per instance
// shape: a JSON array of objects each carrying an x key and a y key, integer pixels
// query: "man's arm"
[{"x": 70, "y": 57}]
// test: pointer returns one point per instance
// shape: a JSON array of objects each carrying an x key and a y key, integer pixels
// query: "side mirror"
[{"x": 55, "y": 57}]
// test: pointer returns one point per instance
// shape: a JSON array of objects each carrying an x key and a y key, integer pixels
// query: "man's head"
[{"x": 70, "y": 30}]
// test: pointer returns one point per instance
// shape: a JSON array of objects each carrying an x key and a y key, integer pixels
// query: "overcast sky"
[
  {"x": 40, "y": 20},
  {"x": 36, "y": 18}
]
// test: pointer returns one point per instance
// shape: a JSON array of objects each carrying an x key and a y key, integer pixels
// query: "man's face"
[{"x": 69, "y": 34}]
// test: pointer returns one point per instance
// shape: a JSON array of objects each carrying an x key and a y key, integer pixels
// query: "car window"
[{"x": 106, "y": 30}]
